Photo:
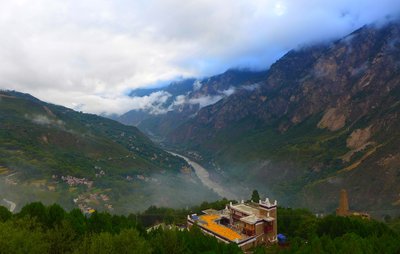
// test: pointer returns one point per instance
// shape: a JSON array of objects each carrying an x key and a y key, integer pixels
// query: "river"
[{"x": 204, "y": 177}]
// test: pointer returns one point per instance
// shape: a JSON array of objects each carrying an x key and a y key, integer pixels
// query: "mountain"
[
  {"x": 185, "y": 99},
  {"x": 53, "y": 153},
  {"x": 325, "y": 117}
]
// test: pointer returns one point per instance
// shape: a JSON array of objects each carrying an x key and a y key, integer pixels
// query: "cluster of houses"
[
  {"x": 143, "y": 178},
  {"x": 75, "y": 181},
  {"x": 100, "y": 174},
  {"x": 84, "y": 202}
]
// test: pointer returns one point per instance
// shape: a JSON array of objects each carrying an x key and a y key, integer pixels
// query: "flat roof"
[
  {"x": 209, "y": 222},
  {"x": 210, "y": 211},
  {"x": 251, "y": 219},
  {"x": 246, "y": 209}
]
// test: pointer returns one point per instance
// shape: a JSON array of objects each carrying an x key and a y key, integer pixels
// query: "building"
[
  {"x": 246, "y": 224},
  {"x": 343, "y": 209}
]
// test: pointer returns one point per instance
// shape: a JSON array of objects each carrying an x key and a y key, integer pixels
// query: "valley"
[
  {"x": 322, "y": 118},
  {"x": 204, "y": 177},
  {"x": 199, "y": 127}
]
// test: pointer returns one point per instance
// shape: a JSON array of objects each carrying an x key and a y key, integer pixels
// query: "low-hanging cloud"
[
  {"x": 201, "y": 100},
  {"x": 88, "y": 54},
  {"x": 44, "y": 120}
]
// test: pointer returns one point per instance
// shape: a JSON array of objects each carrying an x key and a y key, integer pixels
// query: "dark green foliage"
[
  {"x": 50, "y": 229},
  {"x": 35, "y": 210},
  {"x": 4, "y": 214},
  {"x": 192, "y": 241},
  {"x": 255, "y": 196},
  {"x": 55, "y": 215},
  {"x": 333, "y": 234}
]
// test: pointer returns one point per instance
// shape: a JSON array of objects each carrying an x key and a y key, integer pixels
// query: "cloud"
[
  {"x": 251, "y": 87},
  {"x": 44, "y": 120},
  {"x": 204, "y": 101},
  {"x": 88, "y": 54},
  {"x": 229, "y": 91},
  {"x": 196, "y": 85},
  {"x": 153, "y": 103}
]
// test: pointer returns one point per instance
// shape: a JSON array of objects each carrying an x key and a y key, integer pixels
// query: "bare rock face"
[
  {"x": 359, "y": 138},
  {"x": 334, "y": 119},
  {"x": 358, "y": 141}
]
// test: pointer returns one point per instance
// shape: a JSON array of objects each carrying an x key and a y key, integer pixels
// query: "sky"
[{"x": 88, "y": 54}]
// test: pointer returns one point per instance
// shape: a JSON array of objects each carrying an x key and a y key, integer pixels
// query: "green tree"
[
  {"x": 102, "y": 243},
  {"x": 77, "y": 221},
  {"x": 35, "y": 210},
  {"x": 22, "y": 236},
  {"x": 55, "y": 214},
  {"x": 255, "y": 196},
  {"x": 129, "y": 241},
  {"x": 5, "y": 214},
  {"x": 100, "y": 222},
  {"x": 62, "y": 238}
]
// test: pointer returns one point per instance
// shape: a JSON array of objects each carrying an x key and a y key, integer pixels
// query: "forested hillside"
[
  {"x": 51, "y": 229},
  {"x": 55, "y": 154}
]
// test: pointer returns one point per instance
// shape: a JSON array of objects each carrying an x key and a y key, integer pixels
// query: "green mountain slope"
[
  {"x": 41, "y": 144},
  {"x": 186, "y": 98}
]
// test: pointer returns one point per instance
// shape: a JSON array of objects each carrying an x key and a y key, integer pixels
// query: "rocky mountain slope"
[
  {"x": 55, "y": 154},
  {"x": 185, "y": 99},
  {"x": 325, "y": 117}
]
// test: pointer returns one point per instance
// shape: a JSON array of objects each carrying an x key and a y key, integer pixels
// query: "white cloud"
[
  {"x": 205, "y": 101},
  {"x": 90, "y": 53},
  {"x": 251, "y": 87},
  {"x": 44, "y": 120},
  {"x": 202, "y": 101},
  {"x": 229, "y": 91},
  {"x": 196, "y": 85}
]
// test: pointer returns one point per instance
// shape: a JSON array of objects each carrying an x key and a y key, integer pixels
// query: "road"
[
  {"x": 11, "y": 204},
  {"x": 204, "y": 177}
]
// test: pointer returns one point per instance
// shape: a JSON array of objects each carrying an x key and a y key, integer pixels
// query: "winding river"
[{"x": 204, "y": 177}]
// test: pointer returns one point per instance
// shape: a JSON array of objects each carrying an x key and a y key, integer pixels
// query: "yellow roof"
[{"x": 219, "y": 229}]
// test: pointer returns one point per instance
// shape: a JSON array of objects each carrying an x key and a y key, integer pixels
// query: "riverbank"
[{"x": 204, "y": 177}]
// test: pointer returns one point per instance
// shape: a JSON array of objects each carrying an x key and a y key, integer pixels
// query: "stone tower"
[{"x": 343, "y": 209}]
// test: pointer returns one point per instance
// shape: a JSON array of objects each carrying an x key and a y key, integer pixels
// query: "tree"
[
  {"x": 22, "y": 236},
  {"x": 4, "y": 214},
  {"x": 77, "y": 220},
  {"x": 55, "y": 215},
  {"x": 35, "y": 210},
  {"x": 62, "y": 238},
  {"x": 255, "y": 196},
  {"x": 129, "y": 241}
]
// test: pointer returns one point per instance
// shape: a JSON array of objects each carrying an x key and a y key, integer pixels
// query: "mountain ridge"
[
  {"x": 332, "y": 109},
  {"x": 323, "y": 118}
]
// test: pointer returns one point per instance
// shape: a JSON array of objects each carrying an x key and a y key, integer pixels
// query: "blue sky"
[{"x": 86, "y": 54}]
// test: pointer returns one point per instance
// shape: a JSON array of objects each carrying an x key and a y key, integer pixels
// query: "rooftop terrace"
[{"x": 208, "y": 221}]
